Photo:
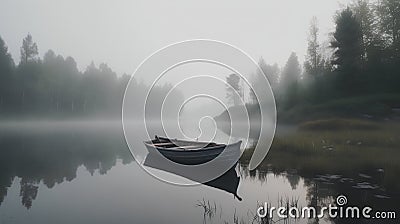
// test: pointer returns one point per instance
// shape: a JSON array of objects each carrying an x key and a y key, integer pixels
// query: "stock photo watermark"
[{"x": 338, "y": 210}]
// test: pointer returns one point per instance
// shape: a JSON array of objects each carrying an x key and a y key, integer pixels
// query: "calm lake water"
[{"x": 84, "y": 173}]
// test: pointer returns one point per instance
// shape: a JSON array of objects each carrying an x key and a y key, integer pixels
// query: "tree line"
[
  {"x": 53, "y": 86},
  {"x": 360, "y": 61}
]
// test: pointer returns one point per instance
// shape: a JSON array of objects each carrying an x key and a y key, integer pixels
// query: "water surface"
[{"x": 86, "y": 174}]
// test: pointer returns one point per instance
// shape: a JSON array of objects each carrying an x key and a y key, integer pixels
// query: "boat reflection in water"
[{"x": 228, "y": 182}]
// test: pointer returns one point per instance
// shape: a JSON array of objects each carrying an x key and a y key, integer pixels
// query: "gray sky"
[{"x": 123, "y": 33}]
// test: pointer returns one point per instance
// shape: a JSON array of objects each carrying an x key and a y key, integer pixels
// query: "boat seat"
[
  {"x": 187, "y": 147},
  {"x": 163, "y": 144}
]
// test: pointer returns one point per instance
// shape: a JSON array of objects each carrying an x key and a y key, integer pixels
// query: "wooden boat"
[{"x": 191, "y": 152}]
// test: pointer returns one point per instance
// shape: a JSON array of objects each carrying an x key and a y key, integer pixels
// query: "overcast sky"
[{"x": 123, "y": 33}]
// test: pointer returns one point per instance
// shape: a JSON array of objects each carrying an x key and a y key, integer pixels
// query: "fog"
[
  {"x": 84, "y": 52},
  {"x": 311, "y": 84},
  {"x": 124, "y": 33}
]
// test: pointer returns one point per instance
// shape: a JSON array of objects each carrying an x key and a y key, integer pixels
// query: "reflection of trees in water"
[
  {"x": 317, "y": 197},
  {"x": 5, "y": 182},
  {"x": 54, "y": 157},
  {"x": 261, "y": 174},
  {"x": 321, "y": 193},
  {"x": 256, "y": 174},
  {"x": 294, "y": 180},
  {"x": 317, "y": 194},
  {"x": 28, "y": 192}
]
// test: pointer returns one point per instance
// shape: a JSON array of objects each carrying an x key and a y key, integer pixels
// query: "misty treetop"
[
  {"x": 234, "y": 91},
  {"x": 357, "y": 73},
  {"x": 53, "y": 86},
  {"x": 29, "y": 50}
]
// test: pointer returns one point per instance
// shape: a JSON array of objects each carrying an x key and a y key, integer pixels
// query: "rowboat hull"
[{"x": 195, "y": 156}]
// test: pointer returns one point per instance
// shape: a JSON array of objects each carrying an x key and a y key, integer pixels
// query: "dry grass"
[{"x": 338, "y": 151}]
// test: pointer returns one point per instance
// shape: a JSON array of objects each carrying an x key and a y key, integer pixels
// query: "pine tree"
[
  {"x": 29, "y": 50},
  {"x": 347, "y": 45}
]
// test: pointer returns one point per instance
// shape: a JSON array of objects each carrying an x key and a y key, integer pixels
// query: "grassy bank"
[
  {"x": 376, "y": 107},
  {"x": 346, "y": 147}
]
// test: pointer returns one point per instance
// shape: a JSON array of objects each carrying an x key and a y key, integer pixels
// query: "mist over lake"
[{"x": 199, "y": 112}]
